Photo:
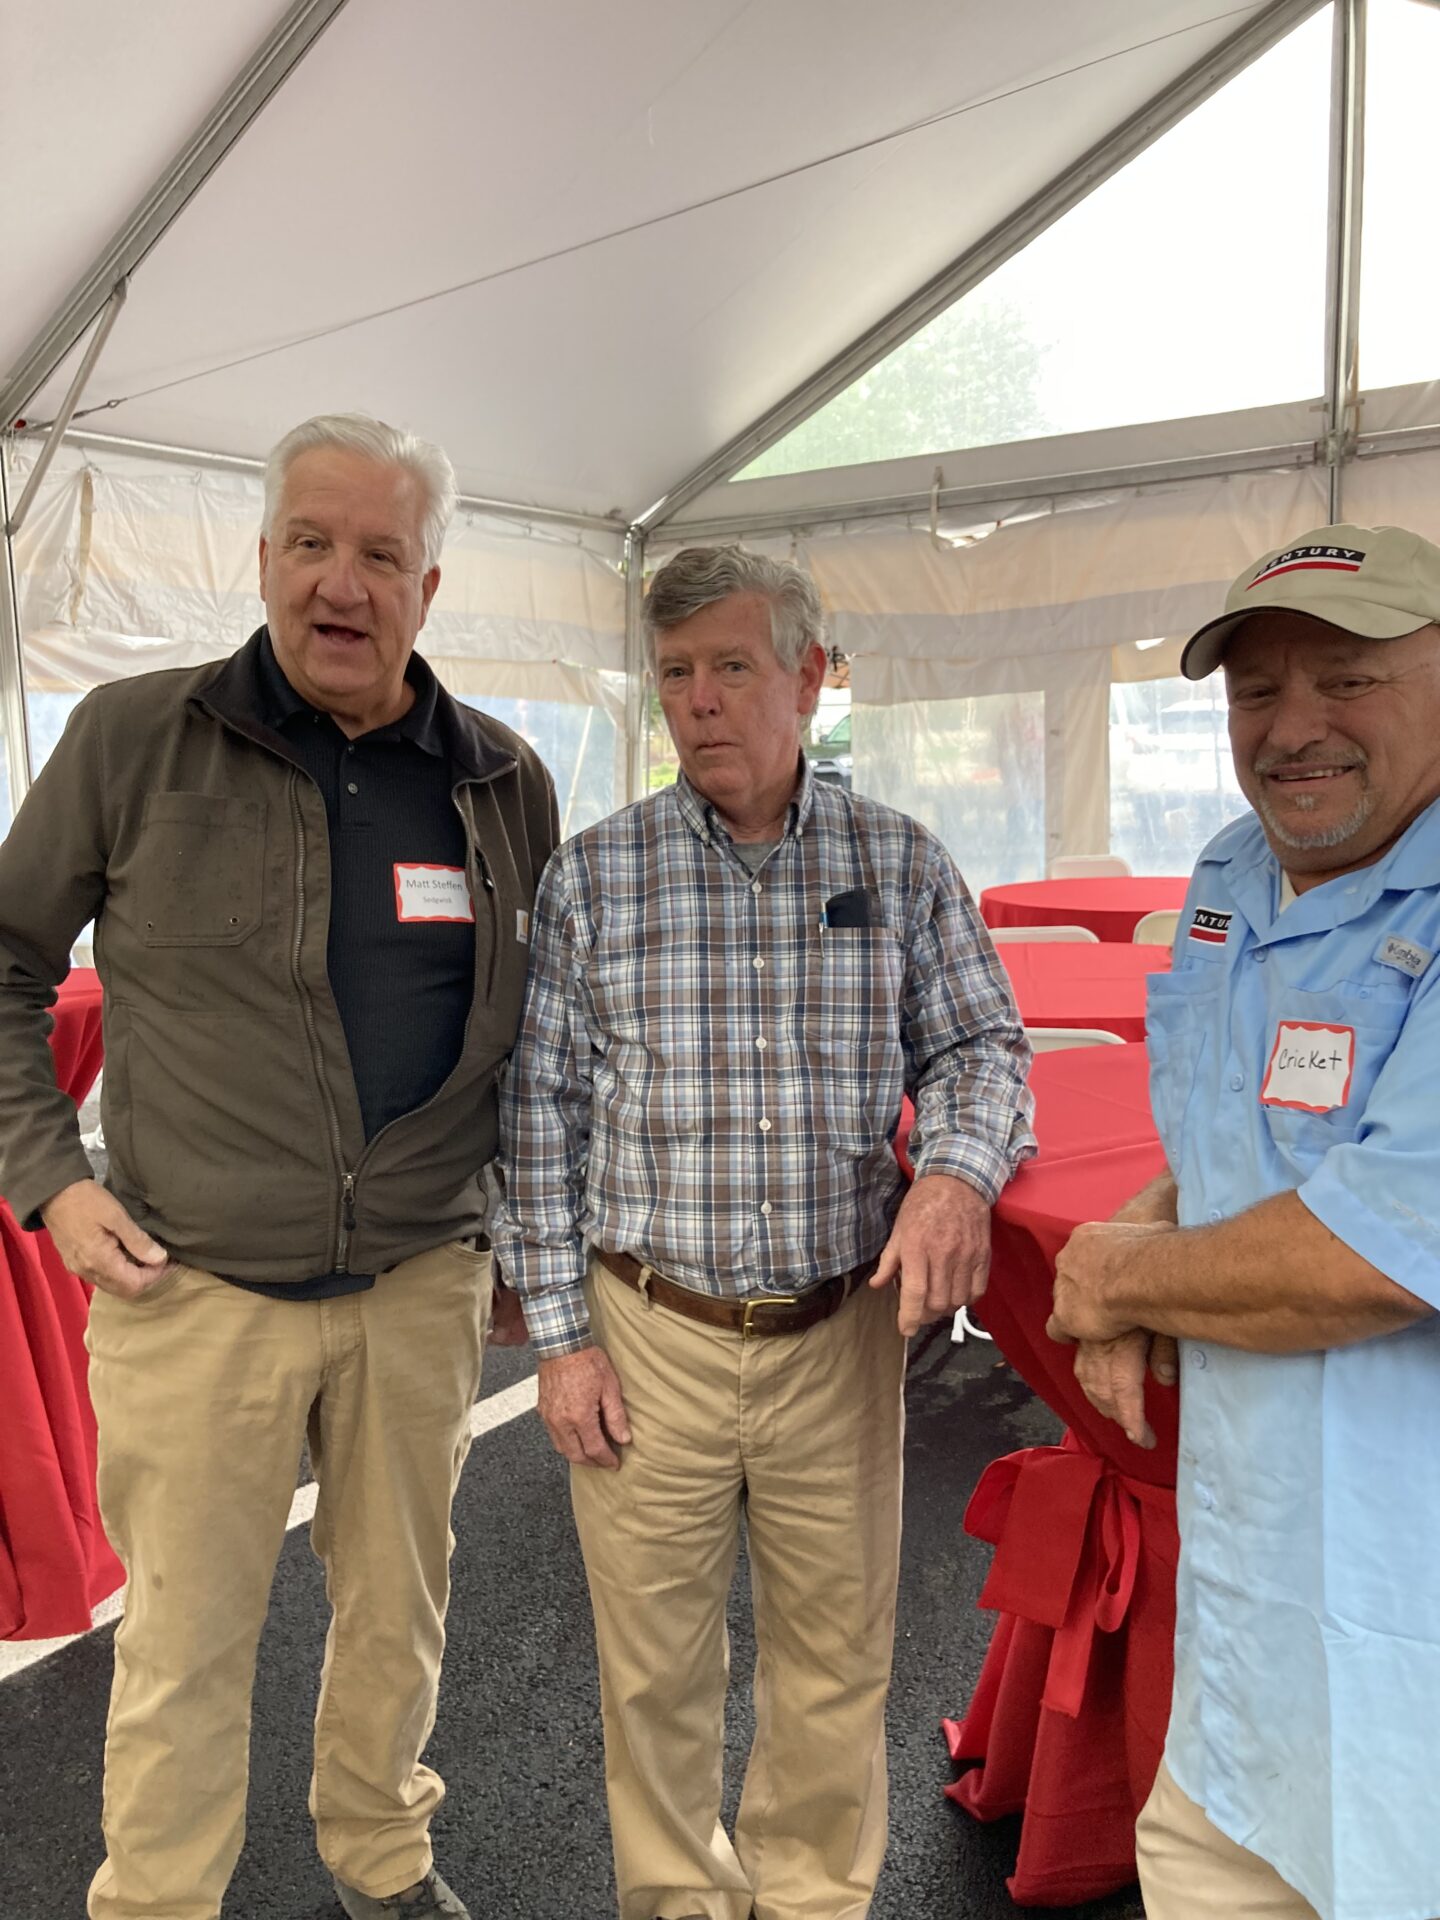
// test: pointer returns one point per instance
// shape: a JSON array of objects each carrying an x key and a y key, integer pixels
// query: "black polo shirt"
[{"x": 401, "y": 952}]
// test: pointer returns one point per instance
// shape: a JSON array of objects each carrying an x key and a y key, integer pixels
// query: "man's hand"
[
  {"x": 1085, "y": 1275},
  {"x": 1111, "y": 1374},
  {"x": 939, "y": 1248},
  {"x": 582, "y": 1407},
  {"x": 507, "y": 1321},
  {"x": 97, "y": 1239}
]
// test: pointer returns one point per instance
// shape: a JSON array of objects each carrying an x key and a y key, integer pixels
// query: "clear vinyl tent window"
[
  {"x": 1172, "y": 778},
  {"x": 1192, "y": 282},
  {"x": 973, "y": 770},
  {"x": 578, "y": 745},
  {"x": 1399, "y": 260}
]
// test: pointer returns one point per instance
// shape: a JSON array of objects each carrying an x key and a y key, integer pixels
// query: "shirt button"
[
  {"x": 765, "y": 1206},
  {"x": 755, "y": 886},
  {"x": 757, "y": 963},
  {"x": 350, "y": 787},
  {"x": 1197, "y": 1359},
  {"x": 764, "y": 1126},
  {"x": 1261, "y": 956},
  {"x": 1204, "y": 1498},
  {"x": 1237, "y": 1081},
  {"x": 760, "y": 1042},
  {"x": 1215, "y": 1216}
]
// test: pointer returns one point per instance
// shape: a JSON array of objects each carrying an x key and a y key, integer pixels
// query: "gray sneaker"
[{"x": 430, "y": 1900}]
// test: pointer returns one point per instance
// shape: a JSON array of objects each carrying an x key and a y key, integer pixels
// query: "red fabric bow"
[{"x": 1066, "y": 1527}]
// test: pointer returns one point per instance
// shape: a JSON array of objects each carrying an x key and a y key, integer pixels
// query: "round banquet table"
[
  {"x": 1110, "y": 908},
  {"x": 1069, "y": 1714},
  {"x": 1075, "y": 983},
  {"x": 55, "y": 1562}
]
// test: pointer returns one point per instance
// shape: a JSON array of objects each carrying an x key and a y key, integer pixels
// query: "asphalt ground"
[{"x": 522, "y": 1834}]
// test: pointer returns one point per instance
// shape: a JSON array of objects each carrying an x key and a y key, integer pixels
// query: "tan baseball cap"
[{"x": 1380, "y": 582}]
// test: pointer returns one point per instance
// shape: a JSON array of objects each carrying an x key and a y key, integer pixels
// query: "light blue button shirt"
[{"x": 1306, "y": 1716}]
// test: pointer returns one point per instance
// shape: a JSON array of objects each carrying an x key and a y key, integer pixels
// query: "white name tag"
[
  {"x": 1311, "y": 1066},
  {"x": 431, "y": 893}
]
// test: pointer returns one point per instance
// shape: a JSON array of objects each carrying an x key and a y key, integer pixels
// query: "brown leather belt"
[{"x": 778, "y": 1313}]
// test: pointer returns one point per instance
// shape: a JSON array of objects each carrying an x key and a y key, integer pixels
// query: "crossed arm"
[{"x": 1273, "y": 1279}]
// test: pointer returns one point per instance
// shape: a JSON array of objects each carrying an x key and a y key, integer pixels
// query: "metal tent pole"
[
  {"x": 1342, "y": 303},
  {"x": 14, "y": 719},
  {"x": 261, "y": 78},
  {"x": 637, "y": 731}
]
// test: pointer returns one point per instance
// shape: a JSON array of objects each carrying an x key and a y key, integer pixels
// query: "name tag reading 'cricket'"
[
  {"x": 431, "y": 893},
  {"x": 1310, "y": 1068}
]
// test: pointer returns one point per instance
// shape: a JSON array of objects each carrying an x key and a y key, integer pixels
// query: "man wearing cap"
[
  {"x": 1293, "y": 1250},
  {"x": 732, "y": 986}
]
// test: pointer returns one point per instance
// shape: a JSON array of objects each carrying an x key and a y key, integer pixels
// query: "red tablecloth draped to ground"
[
  {"x": 55, "y": 1562},
  {"x": 1110, "y": 908},
  {"x": 1068, "y": 1717},
  {"x": 1063, "y": 983}
]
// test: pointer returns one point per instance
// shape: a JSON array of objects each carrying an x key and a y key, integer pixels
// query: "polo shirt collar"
[{"x": 419, "y": 723}]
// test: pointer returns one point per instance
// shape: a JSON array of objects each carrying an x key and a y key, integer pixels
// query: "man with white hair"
[
  {"x": 733, "y": 985},
  {"x": 1294, "y": 1251},
  {"x": 310, "y": 872}
]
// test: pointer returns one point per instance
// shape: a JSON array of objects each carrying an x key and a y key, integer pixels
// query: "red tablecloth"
[
  {"x": 55, "y": 1562},
  {"x": 1068, "y": 1718},
  {"x": 1064, "y": 983},
  {"x": 1110, "y": 908}
]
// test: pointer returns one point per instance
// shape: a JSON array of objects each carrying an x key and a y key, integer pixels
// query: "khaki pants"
[
  {"x": 802, "y": 1433},
  {"x": 1189, "y": 1870},
  {"x": 204, "y": 1395}
]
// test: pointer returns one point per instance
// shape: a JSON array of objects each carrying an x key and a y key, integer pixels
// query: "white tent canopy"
[{"x": 606, "y": 259}]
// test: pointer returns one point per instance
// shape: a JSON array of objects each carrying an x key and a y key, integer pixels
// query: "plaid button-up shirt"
[{"x": 709, "y": 1079}]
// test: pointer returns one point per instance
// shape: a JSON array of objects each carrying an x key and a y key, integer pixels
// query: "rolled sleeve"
[
  {"x": 545, "y": 1134},
  {"x": 1380, "y": 1192},
  {"x": 967, "y": 1057}
]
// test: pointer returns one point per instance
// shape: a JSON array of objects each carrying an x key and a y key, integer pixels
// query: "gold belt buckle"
[{"x": 747, "y": 1325}]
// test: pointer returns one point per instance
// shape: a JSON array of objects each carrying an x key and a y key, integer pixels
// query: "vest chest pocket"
[{"x": 199, "y": 870}]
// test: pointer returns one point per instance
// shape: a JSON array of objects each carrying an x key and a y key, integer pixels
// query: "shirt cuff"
[{"x": 984, "y": 1167}]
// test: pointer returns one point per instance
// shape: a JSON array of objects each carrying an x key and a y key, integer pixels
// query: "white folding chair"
[
  {"x": 1157, "y": 929},
  {"x": 1001, "y": 934},
  {"x": 1052, "y": 1039},
  {"x": 1088, "y": 866}
]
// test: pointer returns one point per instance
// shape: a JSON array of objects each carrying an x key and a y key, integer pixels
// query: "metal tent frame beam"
[
  {"x": 252, "y": 88},
  {"x": 977, "y": 263},
  {"x": 307, "y": 19}
]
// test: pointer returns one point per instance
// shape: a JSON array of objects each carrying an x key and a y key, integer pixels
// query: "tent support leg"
[
  {"x": 1342, "y": 304},
  {"x": 14, "y": 718},
  {"x": 16, "y": 520},
  {"x": 637, "y": 744}
]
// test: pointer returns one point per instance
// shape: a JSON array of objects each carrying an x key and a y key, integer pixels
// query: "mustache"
[{"x": 1312, "y": 757}]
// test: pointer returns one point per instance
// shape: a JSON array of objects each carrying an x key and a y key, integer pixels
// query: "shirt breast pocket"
[
  {"x": 1180, "y": 1016},
  {"x": 199, "y": 870},
  {"x": 1368, "y": 1022}
]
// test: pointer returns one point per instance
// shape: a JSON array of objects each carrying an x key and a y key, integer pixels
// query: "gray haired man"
[
  {"x": 733, "y": 985},
  {"x": 309, "y": 871}
]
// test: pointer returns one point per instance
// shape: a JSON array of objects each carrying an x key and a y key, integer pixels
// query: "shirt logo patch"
[
  {"x": 1210, "y": 926},
  {"x": 1404, "y": 955},
  {"x": 425, "y": 892},
  {"x": 1311, "y": 559},
  {"x": 1311, "y": 1067}
]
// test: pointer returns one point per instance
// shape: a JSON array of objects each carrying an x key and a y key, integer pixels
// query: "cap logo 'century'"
[{"x": 1311, "y": 559}]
